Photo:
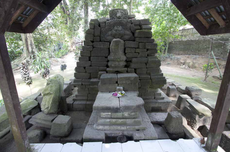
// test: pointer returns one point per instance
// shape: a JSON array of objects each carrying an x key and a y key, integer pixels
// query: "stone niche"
[{"x": 139, "y": 55}]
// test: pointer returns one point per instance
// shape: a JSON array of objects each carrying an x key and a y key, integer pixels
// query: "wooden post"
[
  {"x": 220, "y": 113},
  {"x": 11, "y": 100}
]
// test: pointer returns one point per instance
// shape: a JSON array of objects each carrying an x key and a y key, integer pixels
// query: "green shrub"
[
  {"x": 1, "y": 102},
  {"x": 41, "y": 62}
]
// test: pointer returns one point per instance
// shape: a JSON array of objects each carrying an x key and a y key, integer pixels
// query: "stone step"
[
  {"x": 117, "y": 122},
  {"x": 119, "y": 128},
  {"x": 120, "y": 115}
]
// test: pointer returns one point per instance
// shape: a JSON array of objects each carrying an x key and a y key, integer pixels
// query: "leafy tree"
[{"x": 166, "y": 19}]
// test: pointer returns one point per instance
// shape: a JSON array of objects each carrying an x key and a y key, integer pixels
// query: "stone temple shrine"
[{"x": 119, "y": 55}]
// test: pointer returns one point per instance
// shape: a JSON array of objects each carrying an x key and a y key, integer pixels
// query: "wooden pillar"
[
  {"x": 11, "y": 100},
  {"x": 220, "y": 113}
]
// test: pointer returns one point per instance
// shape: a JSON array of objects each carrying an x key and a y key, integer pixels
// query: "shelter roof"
[{"x": 207, "y": 16}]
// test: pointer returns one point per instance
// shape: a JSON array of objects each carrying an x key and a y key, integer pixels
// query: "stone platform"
[{"x": 114, "y": 117}]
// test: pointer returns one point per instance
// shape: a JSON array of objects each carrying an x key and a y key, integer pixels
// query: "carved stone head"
[{"x": 115, "y": 14}]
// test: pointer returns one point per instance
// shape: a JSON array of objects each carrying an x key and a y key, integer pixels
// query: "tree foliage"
[{"x": 166, "y": 19}]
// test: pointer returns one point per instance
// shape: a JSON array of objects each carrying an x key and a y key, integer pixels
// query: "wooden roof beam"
[
  {"x": 28, "y": 20},
  {"x": 217, "y": 17},
  {"x": 36, "y": 5},
  {"x": 17, "y": 13},
  {"x": 203, "y": 21},
  {"x": 205, "y": 5}
]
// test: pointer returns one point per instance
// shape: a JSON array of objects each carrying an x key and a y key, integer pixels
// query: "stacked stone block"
[{"x": 140, "y": 52}]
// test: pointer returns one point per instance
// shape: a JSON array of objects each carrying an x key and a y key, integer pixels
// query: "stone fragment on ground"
[
  {"x": 35, "y": 135},
  {"x": 157, "y": 117},
  {"x": 43, "y": 120},
  {"x": 181, "y": 101},
  {"x": 193, "y": 91},
  {"x": 171, "y": 91},
  {"x": 52, "y": 94},
  {"x": 181, "y": 89},
  {"x": 174, "y": 123},
  {"x": 61, "y": 126}
]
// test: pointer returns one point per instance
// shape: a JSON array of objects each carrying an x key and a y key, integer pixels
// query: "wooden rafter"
[
  {"x": 205, "y": 5},
  {"x": 36, "y": 5},
  {"x": 203, "y": 21},
  {"x": 226, "y": 5},
  {"x": 217, "y": 17},
  {"x": 17, "y": 13},
  {"x": 28, "y": 20}
]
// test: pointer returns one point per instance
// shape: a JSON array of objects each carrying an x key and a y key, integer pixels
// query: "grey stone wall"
[{"x": 191, "y": 43}]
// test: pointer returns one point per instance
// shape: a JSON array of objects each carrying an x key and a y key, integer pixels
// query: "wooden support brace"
[
  {"x": 27, "y": 21},
  {"x": 220, "y": 113},
  {"x": 11, "y": 100},
  {"x": 36, "y": 5},
  {"x": 204, "y": 22},
  {"x": 17, "y": 13},
  {"x": 217, "y": 17}
]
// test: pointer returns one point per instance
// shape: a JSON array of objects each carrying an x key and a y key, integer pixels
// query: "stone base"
[
  {"x": 105, "y": 133},
  {"x": 116, "y": 70}
]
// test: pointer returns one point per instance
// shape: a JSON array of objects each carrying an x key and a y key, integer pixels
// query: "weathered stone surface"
[
  {"x": 88, "y": 43},
  {"x": 52, "y": 94},
  {"x": 108, "y": 78},
  {"x": 145, "y": 22},
  {"x": 61, "y": 126},
  {"x": 138, "y": 66},
  {"x": 117, "y": 29},
  {"x": 101, "y": 45},
  {"x": 107, "y": 87},
  {"x": 82, "y": 75},
  {"x": 83, "y": 64},
  {"x": 145, "y": 40},
  {"x": 130, "y": 50},
  {"x": 193, "y": 91},
  {"x": 171, "y": 91},
  {"x": 95, "y": 21},
  {"x": 139, "y": 60},
  {"x": 129, "y": 87},
  {"x": 82, "y": 58},
  {"x": 142, "y": 54},
  {"x": 131, "y": 44},
  {"x": 99, "y": 59},
  {"x": 85, "y": 53},
  {"x": 151, "y": 46},
  {"x": 157, "y": 117},
  {"x": 42, "y": 120},
  {"x": 36, "y": 135},
  {"x": 116, "y": 70},
  {"x": 89, "y": 37},
  {"x": 131, "y": 55},
  {"x": 141, "y": 71},
  {"x": 115, "y": 14},
  {"x": 142, "y": 45},
  {"x": 146, "y": 27},
  {"x": 141, "y": 50},
  {"x": 90, "y": 31},
  {"x": 87, "y": 48},
  {"x": 128, "y": 78},
  {"x": 100, "y": 52},
  {"x": 105, "y": 101},
  {"x": 143, "y": 34},
  {"x": 181, "y": 101},
  {"x": 99, "y": 64},
  {"x": 161, "y": 132},
  {"x": 174, "y": 123},
  {"x": 199, "y": 109},
  {"x": 97, "y": 39},
  {"x": 92, "y": 69},
  {"x": 181, "y": 89},
  {"x": 117, "y": 57},
  {"x": 97, "y": 31}
]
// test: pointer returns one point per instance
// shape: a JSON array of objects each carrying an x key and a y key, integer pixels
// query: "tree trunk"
[
  {"x": 86, "y": 14},
  {"x": 130, "y": 7},
  {"x": 28, "y": 46},
  {"x": 167, "y": 47}
]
